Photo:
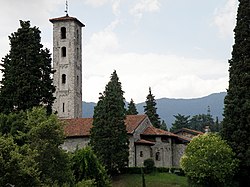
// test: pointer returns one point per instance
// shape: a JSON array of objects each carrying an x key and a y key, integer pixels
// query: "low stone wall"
[{"x": 70, "y": 144}]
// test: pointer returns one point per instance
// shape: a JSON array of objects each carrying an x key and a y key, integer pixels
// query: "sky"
[{"x": 179, "y": 48}]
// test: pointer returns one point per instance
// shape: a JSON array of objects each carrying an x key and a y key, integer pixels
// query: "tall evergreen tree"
[
  {"x": 151, "y": 110},
  {"x": 109, "y": 136},
  {"x": 181, "y": 121},
  {"x": 27, "y": 72},
  {"x": 236, "y": 123},
  {"x": 131, "y": 108}
]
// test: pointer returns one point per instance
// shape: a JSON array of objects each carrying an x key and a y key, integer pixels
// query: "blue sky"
[{"x": 179, "y": 48}]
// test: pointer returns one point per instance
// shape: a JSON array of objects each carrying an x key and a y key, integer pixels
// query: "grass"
[{"x": 152, "y": 180}]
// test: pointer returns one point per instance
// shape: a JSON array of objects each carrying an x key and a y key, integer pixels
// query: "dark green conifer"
[
  {"x": 109, "y": 136},
  {"x": 131, "y": 108},
  {"x": 236, "y": 123},
  {"x": 27, "y": 72},
  {"x": 151, "y": 110}
]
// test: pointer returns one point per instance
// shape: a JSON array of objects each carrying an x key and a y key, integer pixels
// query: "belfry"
[{"x": 67, "y": 61}]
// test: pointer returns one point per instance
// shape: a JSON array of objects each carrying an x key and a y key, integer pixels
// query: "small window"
[
  {"x": 77, "y": 36},
  {"x": 141, "y": 153},
  {"x": 63, "y": 107},
  {"x": 77, "y": 80},
  {"x": 63, "y": 51},
  {"x": 157, "y": 156},
  {"x": 63, "y": 79},
  {"x": 63, "y": 33}
]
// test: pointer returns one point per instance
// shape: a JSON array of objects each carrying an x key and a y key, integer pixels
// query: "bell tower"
[{"x": 67, "y": 61}]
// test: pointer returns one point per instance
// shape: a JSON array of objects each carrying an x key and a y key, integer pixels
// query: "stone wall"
[
  {"x": 70, "y": 144},
  {"x": 178, "y": 151}
]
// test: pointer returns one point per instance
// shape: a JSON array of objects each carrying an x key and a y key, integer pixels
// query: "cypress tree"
[
  {"x": 109, "y": 136},
  {"x": 27, "y": 72},
  {"x": 131, "y": 108},
  {"x": 151, "y": 110},
  {"x": 236, "y": 122}
]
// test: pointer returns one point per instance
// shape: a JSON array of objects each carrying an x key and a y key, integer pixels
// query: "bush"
[
  {"x": 149, "y": 165},
  {"x": 86, "y": 166},
  {"x": 131, "y": 170},
  {"x": 209, "y": 161}
]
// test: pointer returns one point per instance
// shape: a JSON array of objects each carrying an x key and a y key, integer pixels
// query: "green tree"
[
  {"x": 200, "y": 121},
  {"x": 151, "y": 110},
  {"x": 181, "y": 121},
  {"x": 45, "y": 136},
  {"x": 26, "y": 72},
  {"x": 236, "y": 122},
  {"x": 109, "y": 138},
  {"x": 86, "y": 166},
  {"x": 163, "y": 126},
  {"x": 209, "y": 161},
  {"x": 17, "y": 164},
  {"x": 131, "y": 108}
]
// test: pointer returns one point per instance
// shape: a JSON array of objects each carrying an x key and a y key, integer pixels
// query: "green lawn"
[{"x": 152, "y": 180}]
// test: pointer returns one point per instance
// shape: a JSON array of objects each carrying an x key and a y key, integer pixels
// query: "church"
[{"x": 145, "y": 141}]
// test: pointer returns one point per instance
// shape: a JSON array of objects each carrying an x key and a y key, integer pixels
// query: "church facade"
[{"x": 145, "y": 141}]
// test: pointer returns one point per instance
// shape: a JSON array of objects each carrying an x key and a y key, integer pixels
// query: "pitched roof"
[
  {"x": 77, "y": 126},
  {"x": 143, "y": 142},
  {"x": 66, "y": 18},
  {"x": 133, "y": 121},
  {"x": 151, "y": 130},
  {"x": 81, "y": 126},
  {"x": 189, "y": 130}
]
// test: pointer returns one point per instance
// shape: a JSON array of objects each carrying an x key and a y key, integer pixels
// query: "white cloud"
[
  {"x": 143, "y": 6},
  {"x": 168, "y": 75},
  {"x": 225, "y": 18},
  {"x": 96, "y": 3}
]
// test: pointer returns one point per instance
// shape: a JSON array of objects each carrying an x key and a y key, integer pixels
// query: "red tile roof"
[
  {"x": 77, "y": 126},
  {"x": 142, "y": 141},
  {"x": 189, "y": 130},
  {"x": 66, "y": 18},
  {"x": 133, "y": 121},
  {"x": 82, "y": 126},
  {"x": 155, "y": 131}
]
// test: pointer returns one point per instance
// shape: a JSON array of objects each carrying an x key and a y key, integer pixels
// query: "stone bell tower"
[{"x": 67, "y": 61}]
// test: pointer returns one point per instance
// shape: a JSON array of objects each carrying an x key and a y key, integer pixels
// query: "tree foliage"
[
  {"x": 40, "y": 136},
  {"x": 181, "y": 121},
  {"x": 131, "y": 108},
  {"x": 151, "y": 110},
  {"x": 86, "y": 166},
  {"x": 200, "y": 121},
  {"x": 208, "y": 160},
  {"x": 109, "y": 136},
  {"x": 26, "y": 72},
  {"x": 236, "y": 123},
  {"x": 17, "y": 164}
]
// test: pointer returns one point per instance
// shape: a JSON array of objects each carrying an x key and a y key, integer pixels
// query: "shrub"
[
  {"x": 149, "y": 165},
  {"x": 209, "y": 161}
]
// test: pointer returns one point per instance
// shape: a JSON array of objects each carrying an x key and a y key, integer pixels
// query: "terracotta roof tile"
[
  {"x": 142, "y": 141},
  {"x": 133, "y": 121},
  {"x": 155, "y": 131},
  {"x": 77, "y": 126},
  {"x": 82, "y": 126},
  {"x": 66, "y": 18},
  {"x": 189, "y": 130}
]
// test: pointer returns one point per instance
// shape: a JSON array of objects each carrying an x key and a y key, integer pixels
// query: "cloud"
[
  {"x": 144, "y": 6},
  {"x": 225, "y": 18},
  {"x": 168, "y": 75}
]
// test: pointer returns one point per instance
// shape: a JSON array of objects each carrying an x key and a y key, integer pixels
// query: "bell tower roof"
[{"x": 66, "y": 18}]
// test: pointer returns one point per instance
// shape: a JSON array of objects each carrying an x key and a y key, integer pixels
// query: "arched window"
[
  {"x": 157, "y": 156},
  {"x": 63, "y": 33},
  {"x": 63, "y": 51},
  {"x": 63, "y": 79},
  {"x": 141, "y": 153}
]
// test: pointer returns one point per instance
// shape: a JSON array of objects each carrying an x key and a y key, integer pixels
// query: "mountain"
[{"x": 167, "y": 108}]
